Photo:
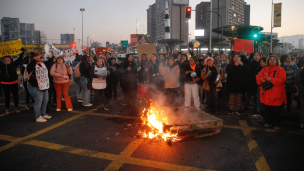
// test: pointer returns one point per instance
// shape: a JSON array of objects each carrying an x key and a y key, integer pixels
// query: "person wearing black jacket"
[
  {"x": 26, "y": 61},
  {"x": 192, "y": 77},
  {"x": 122, "y": 85},
  {"x": 38, "y": 86},
  {"x": 9, "y": 80},
  {"x": 154, "y": 76},
  {"x": 112, "y": 79},
  {"x": 182, "y": 65},
  {"x": 86, "y": 84},
  {"x": 251, "y": 83},
  {"x": 144, "y": 68},
  {"x": 237, "y": 72},
  {"x": 129, "y": 79}
]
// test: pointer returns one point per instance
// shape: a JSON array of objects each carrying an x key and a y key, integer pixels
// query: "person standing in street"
[
  {"x": 275, "y": 97},
  {"x": 99, "y": 87},
  {"x": 84, "y": 80},
  {"x": 129, "y": 77},
  {"x": 193, "y": 73},
  {"x": 38, "y": 86},
  {"x": 171, "y": 74},
  {"x": 291, "y": 70},
  {"x": 211, "y": 76},
  {"x": 9, "y": 80},
  {"x": 299, "y": 81},
  {"x": 60, "y": 73},
  {"x": 144, "y": 68},
  {"x": 236, "y": 73},
  {"x": 76, "y": 78}
]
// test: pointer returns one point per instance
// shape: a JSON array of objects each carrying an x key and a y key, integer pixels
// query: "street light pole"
[
  {"x": 82, "y": 9},
  {"x": 271, "y": 27}
]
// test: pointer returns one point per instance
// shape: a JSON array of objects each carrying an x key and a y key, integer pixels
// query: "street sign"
[{"x": 124, "y": 43}]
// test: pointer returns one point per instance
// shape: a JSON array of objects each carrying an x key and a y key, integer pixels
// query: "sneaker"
[
  {"x": 70, "y": 110},
  {"x": 28, "y": 107},
  {"x": 17, "y": 110},
  {"x": 8, "y": 111},
  {"x": 256, "y": 115},
  {"x": 87, "y": 105},
  {"x": 238, "y": 113},
  {"x": 80, "y": 101},
  {"x": 95, "y": 107},
  {"x": 301, "y": 127},
  {"x": 58, "y": 110},
  {"x": 106, "y": 107},
  {"x": 41, "y": 119},
  {"x": 47, "y": 116}
]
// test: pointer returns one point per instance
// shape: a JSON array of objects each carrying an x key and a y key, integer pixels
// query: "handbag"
[
  {"x": 268, "y": 85},
  {"x": 219, "y": 85}
]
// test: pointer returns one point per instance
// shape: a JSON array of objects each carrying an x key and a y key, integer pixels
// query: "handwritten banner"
[
  {"x": 10, "y": 48},
  {"x": 243, "y": 43}
]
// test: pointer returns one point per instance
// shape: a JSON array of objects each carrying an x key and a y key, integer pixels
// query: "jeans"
[
  {"x": 79, "y": 91},
  {"x": 85, "y": 91},
  {"x": 191, "y": 90},
  {"x": 41, "y": 99},
  {"x": 28, "y": 96},
  {"x": 7, "y": 89}
]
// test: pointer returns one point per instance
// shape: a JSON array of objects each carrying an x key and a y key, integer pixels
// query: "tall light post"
[
  {"x": 73, "y": 35},
  {"x": 82, "y": 9}
]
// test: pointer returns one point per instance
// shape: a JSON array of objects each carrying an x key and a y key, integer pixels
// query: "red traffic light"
[
  {"x": 188, "y": 12},
  {"x": 73, "y": 45},
  {"x": 256, "y": 42},
  {"x": 85, "y": 48}
]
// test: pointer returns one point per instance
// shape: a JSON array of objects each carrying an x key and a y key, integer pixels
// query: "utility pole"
[
  {"x": 136, "y": 26},
  {"x": 210, "y": 26},
  {"x": 271, "y": 27},
  {"x": 82, "y": 9}
]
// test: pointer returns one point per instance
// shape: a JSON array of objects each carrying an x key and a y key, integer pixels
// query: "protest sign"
[{"x": 10, "y": 48}]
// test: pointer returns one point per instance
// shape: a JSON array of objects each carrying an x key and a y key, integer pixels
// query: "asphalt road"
[{"x": 100, "y": 140}]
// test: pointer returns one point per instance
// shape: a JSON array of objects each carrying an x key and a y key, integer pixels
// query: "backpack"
[{"x": 77, "y": 73}]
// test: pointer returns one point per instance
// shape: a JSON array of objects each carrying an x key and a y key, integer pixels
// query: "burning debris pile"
[{"x": 153, "y": 125}]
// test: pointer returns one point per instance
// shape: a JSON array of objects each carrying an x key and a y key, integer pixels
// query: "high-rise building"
[
  {"x": 178, "y": 21},
  {"x": 67, "y": 39},
  {"x": 10, "y": 29},
  {"x": 233, "y": 12},
  {"x": 151, "y": 23},
  {"x": 107, "y": 44},
  {"x": 301, "y": 43},
  {"x": 247, "y": 14}
]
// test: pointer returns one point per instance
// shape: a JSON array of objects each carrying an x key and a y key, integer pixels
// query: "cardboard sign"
[
  {"x": 243, "y": 43},
  {"x": 10, "y": 48},
  {"x": 148, "y": 49},
  {"x": 42, "y": 77}
]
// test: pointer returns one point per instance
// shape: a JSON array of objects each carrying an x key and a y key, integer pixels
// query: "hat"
[{"x": 208, "y": 59}]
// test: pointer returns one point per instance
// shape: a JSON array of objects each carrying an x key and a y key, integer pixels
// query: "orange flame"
[{"x": 155, "y": 120}]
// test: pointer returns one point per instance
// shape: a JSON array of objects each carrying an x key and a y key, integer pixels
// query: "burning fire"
[{"x": 154, "y": 124}]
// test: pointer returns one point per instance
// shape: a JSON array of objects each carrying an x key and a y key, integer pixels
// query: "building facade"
[
  {"x": 301, "y": 43},
  {"x": 156, "y": 21},
  {"x": 67, "y": 39},
  {"x": 233, "y": 12},
  {"x": 12, "y": 29}
]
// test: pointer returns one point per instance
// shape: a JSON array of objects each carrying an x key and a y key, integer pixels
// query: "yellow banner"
[
  {"x": 10, "y": 48},
  {"x": 277, "y": 15}
]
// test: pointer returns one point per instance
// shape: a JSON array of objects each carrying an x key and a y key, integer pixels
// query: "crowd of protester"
[{"x": 234, "y": 81}]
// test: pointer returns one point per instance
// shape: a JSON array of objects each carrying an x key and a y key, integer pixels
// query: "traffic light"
[
  {"x": 255, "y": 33},
  {"x": 256, "y": 46},
  {"x": 85, "y": 48},
  {"x": 188, "y": 12},
  {"x": 74, "y": 45}
]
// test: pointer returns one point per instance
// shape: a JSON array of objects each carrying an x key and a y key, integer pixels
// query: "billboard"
[
  {"x": 180, "y": 2},
  {"x": 277, "y": 15},
  {"x": 139, "y": 39}
]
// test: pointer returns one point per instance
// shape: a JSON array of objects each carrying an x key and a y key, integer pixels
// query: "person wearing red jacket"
[{"x": 274, "y": 97}]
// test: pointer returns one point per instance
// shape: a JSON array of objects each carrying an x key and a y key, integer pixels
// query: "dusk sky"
[{"x": 113, "y": 20}]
